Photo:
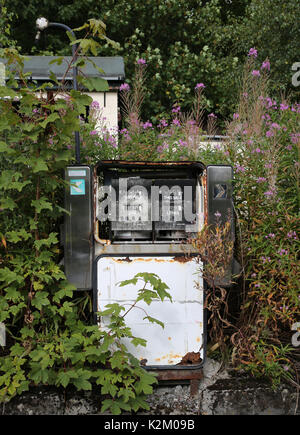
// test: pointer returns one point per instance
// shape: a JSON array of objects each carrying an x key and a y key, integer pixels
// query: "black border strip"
[{"x": 95, "y": 306}]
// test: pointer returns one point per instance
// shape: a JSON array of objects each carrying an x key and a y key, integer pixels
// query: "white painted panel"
[
  {"x": 108, "y": 112},
  {"x": 183, "y": 318}
]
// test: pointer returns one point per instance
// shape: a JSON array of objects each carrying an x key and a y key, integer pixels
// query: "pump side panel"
[
  {"x": 78, "y": 241},
  {"x": 183, "y": 318}
]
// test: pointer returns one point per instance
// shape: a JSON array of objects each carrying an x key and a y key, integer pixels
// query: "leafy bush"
[{"x": 51, "y": 338}]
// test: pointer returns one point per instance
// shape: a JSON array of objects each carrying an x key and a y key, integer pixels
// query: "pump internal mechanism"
[{"x": 149, "y": 202}]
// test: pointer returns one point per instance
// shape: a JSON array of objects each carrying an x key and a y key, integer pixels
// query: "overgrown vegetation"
[{"x": 50, "y": 337}]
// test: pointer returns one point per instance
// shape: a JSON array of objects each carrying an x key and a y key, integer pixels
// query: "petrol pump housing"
[{"x": 134, "y": 217}]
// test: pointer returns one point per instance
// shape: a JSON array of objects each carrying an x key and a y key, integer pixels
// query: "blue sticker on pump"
[{"x": 77, "y": 187}]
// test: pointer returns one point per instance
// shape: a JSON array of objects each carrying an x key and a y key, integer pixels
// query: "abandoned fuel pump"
[{"x": 134, "y": 217}]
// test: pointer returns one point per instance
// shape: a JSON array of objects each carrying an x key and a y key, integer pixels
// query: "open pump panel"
[{"x": 135, "y": 217}]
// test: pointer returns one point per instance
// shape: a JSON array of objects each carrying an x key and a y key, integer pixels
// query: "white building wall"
[{"x": 108, "y": 102}]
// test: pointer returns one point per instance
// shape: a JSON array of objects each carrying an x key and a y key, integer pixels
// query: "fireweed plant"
[{"x": 262, "y": 145}]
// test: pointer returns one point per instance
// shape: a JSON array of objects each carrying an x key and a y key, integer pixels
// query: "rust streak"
[
  {"x": 182, "y": 259},
  {"x": 190, "y": 358}
]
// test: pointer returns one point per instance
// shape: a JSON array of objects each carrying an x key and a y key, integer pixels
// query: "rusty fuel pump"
[{"x": 134, "y": 217}]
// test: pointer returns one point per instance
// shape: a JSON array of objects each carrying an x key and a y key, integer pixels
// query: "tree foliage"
[{"x": 183, "y": 41}]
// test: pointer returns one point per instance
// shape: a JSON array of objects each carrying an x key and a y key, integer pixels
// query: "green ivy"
[{"x": 51, "y": 339}]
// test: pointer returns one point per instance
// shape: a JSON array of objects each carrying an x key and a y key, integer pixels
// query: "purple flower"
[
  {"x": 141, "y": 62},
  {"x": 160, "y": 149},
  {"x": 268, "y": 165},
  {"x": 163, "y": 123},
  {"x": 239, "y": 168},
  {"x": 95, "y": 105},
  {"x": 182, "y": 143},
  {"x": 176, "y": 109},
  {"x": 269, "y": 193},
  {"x": 125, "y": 87},
  {"x": 147, "y": 124},
  {"x": 252, "y": 52},
  {"x": 212, "y": 115},
  {"x": 292, "y": 235},
  {"x": 176, "y": 121},
  {"x": 284, "y": 106},
  {"x": 270, "y": 133},
  {"x": 236, "y": 116},
  {"x": 275, "y": 125},
  {"x": 200, "y": 86},
  {"x": 295, "y": 137},
  {"x": 266, "y": 65},
  {"x": 261, "y": 179},
  {"x": 283, "y": 252},
  {"x": 93, "y": 132},
  {"x": 255, "y": 73},
  {"x": 217, "y": 214}
]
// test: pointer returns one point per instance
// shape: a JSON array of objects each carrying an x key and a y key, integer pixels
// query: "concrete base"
[{"x": 219, "y": 393}]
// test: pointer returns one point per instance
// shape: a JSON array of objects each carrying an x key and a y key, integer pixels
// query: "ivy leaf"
[
  {"x": 41, "y": 204},
  {"x": 81, "y": 382},
  {"x": 96, "y": 84},
  {"x": 39, "y": 165},
  {"x": 5, "y": 148},
  {"x": 8, "y": 203},
  {"x": 51, "y": 118},
  {"x": 139, "y": 341},
  {"x": 40, "y": 299},
  {"x": 153, "y": 320}
]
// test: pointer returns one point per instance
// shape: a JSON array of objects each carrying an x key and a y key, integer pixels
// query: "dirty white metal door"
[{"x": 182, "y": 318}]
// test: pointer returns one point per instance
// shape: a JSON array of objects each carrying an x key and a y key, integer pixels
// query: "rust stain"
[
  {"x": 198, "y": 339},
  {"x": 171, "y": 356},
  {"x": 122, "y": 260},
  {"x": 182, "y": 259},
  {"x": 148, "y": 163},
  {"x": 176, "y": 375},
  {"x": 190, "y": 358},
  {"x": 169, "y": 338}
]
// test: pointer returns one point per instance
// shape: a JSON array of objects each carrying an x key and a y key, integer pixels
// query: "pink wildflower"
[
  {"x": 266, "y": 65},
  {"x": 284, "y": 106},
  {"x": 252, "y": 52},
  {"x": 125, "y": 87}
]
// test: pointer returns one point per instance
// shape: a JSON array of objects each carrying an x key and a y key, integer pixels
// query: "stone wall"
[{"x": 220, "y": 393}]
